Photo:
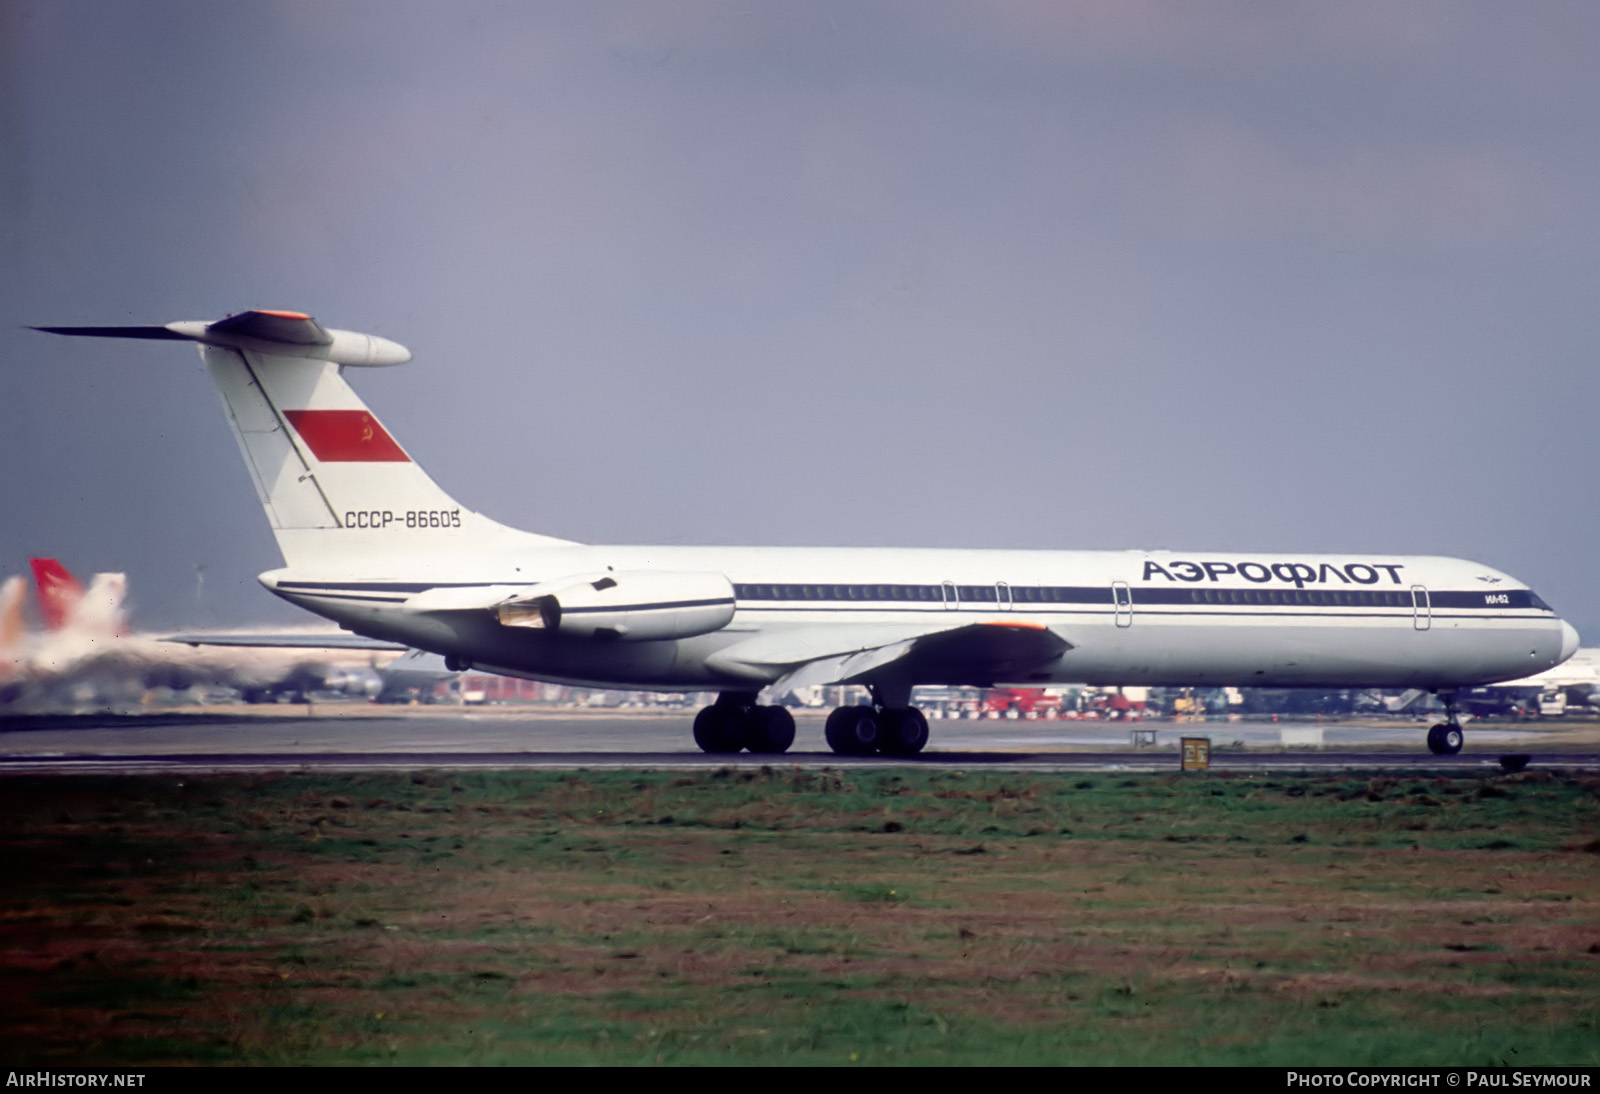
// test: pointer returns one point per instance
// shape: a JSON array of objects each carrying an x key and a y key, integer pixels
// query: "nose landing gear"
[{"x": 1446, "y": 738}]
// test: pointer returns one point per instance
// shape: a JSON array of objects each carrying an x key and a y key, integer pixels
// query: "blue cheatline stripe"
[
  {"x": 1218, "y": 612},
  {"x": 1029, "y": 596}
]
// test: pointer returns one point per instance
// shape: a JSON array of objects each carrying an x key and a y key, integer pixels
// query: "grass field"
[{"x": 786, "y": 916}]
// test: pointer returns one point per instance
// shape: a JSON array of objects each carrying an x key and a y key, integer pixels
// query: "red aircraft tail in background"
[{"x": 59, "y": 592}]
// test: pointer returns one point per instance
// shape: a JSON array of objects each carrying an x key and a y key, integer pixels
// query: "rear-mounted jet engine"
[{"x": 637, "y": 607}]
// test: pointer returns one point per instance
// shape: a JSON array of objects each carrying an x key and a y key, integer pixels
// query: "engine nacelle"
[{"x": 638, "y": 606}]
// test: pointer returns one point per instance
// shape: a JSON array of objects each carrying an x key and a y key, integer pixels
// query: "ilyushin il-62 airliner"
[{"x": 371, "y": 542}]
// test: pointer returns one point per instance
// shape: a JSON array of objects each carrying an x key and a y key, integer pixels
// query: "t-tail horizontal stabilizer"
[{"x": 280, "y": 333}]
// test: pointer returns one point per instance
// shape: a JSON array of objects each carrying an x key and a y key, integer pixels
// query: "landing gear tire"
[
  {"x": 1445, "y": 739},
  {"x": 719, "y": 729},
  {"x": 769, "y": 731},
  {"x": 905, "y": 732},
  {"x": 853, "y": 731}
]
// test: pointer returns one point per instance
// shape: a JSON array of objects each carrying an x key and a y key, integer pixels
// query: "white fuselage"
[{"x": 1128, "y": 617}]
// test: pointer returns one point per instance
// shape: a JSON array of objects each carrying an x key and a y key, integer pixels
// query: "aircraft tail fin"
[
  {"x": 335, "y": 485},
  {"x": 59, "y": 592},
  {"x": 66, "y": 606}
]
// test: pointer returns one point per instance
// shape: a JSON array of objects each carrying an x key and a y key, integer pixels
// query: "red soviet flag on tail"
[{"x": 345, "y": 436}]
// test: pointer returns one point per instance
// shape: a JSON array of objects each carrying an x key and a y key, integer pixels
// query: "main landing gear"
[
  {"x": 735, "y": 722},
  {"x": 863, "y": 730},
  {"x": 1445, "y": 739},
  {"x": 890, "y": 725}
]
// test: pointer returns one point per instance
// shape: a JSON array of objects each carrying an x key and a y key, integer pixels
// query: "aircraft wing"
[
  {"x": 1583, "y": 667},
  {"x": 807, "y": 656},
  {"x": 292, "y": 641}
]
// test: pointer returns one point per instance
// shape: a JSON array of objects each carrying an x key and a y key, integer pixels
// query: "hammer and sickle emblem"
[{"x": 366, "y": 429}]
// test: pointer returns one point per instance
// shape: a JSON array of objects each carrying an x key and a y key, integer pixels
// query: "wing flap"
[
  {"x": 990, "y": 652},
  {"x": 969, "y": 652},
  {"x": 845, "y": 668},
  {"x": 766, "y": 655}
]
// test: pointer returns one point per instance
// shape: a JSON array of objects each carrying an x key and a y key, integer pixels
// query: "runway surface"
[{"x": 346, "y": 737}]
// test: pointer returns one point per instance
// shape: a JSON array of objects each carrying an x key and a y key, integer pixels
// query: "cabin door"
[{"x": 1122, "y": 597}]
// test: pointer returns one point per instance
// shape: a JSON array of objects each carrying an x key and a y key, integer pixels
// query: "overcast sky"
[{"x": 1211, "y": 276}]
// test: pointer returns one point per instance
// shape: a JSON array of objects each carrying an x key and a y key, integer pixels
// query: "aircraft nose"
[{"x": 1569, "y": 640}]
